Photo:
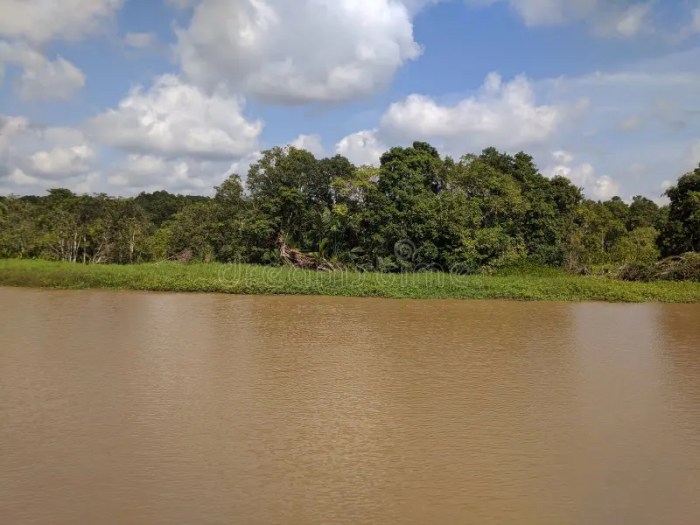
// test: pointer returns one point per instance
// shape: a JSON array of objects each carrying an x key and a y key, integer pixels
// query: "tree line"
[{"x": 417, "y": 210}]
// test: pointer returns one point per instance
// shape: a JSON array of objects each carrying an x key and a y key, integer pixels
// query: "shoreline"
[{"x": 240, "y": 279}]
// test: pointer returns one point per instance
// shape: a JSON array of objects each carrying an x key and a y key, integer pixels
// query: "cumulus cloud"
[
  {"x": 151, "y": 173},
  {"x": 310, "y": 143},
  {"x": 363, "y": 147},
  {"x": 18, "y": 178},
  {"x": 41, "y": 157},
  {"x": 143, "y": 171},
  {"x": 548, "y": 12},
  {"x": 28, "y": 24},
  {"x": 43, "y": 20},
  {"x": 624, "y": 18},
  {"x": 174, "y": 119},
  {"x": 41, "y": 78},
  {"x": 628, "y": 23},
  {"x": 583, "y": 175},
  {"x": 295, "y": 52},
  {"x": 502, "y": 113},
  {"x": 63, "y": 161}
]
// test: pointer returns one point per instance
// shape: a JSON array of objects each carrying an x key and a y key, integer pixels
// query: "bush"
[
  {"x": 636, "y": 271},
  {"x": 685, "y": 267},
  {"x": 681, "y": 268}
]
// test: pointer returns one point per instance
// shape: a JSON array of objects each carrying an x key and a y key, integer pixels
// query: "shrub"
[{"x": 681, "y": 268}]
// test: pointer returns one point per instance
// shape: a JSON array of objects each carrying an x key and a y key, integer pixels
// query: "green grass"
[{"x": 549, "y": 285}]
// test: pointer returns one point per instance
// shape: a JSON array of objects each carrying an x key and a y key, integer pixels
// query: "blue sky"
[{"x": 123, "y": 96}]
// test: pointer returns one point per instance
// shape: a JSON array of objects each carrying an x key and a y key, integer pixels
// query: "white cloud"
[
  {"x": 10, "y": 129},
  {"x": 242, "y": 165},
  {"x": 174, "y": 120},
  {"x": 34, "y": 157},
  {"x": 43, "y": 20},
  {"x": 139, "y": 171},
  {"x": 628, "y": 23},
  {"x": 503, "y": 114},
  {"x": 310, "y": 143},
  {"x": 563, "y": 157},
  {"x": 361, "y": 148},
  {"x": 41, "y": 78},
  {"x": 583, "y": 175},
  {"x": 140, "y": 40},
  {"x": 622, "y": 18},
  {"x": 19, "y": 178},
  {"x": 295, "y": 52},
  {"x": 549, "y": 12},
  {"x": 151, "y": 173},
  {"x": 63, "y": 161},
  {"x": 58, "y": 79}
]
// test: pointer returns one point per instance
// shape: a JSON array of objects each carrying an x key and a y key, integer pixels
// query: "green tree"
[
  {"x": 643, "y": 213},
  {"x": 289, "y": 190},
  {"x": 193, "y": 229},
  {"x": 682, "y": 231},
  {"x": 638, "y": 246}
]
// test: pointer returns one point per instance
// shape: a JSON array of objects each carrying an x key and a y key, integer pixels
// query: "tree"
[
  {"x": 637, "y": 246},
  {"x": 402, "y": 208},
  {"x": 289, "y": 191},
  {"x": 682, "y": 232},
  {"x": 229, "y": 231},
  {"x": 19, "y": 231},
  {"x": 416, "y": 211},
  {"x": 193, "y": 229},
  {"x": 643, "y": 213},
  {"x": 161, "y": 206}
]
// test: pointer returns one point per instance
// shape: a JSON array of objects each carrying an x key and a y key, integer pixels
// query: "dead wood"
[{"x": 304, "y": 261}]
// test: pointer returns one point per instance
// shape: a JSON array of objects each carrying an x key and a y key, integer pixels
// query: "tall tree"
[{"x": 682, "y": 232}]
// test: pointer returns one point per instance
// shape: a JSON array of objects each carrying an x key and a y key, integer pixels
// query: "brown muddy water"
[{"x": 122, "y": 407}]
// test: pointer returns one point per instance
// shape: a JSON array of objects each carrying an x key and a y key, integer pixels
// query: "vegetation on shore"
[
  {"x": 528, "y": 284},
  {"x": 417, "y": 213}
]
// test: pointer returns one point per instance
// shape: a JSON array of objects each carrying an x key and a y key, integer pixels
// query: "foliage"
[
  {"x": 415, "y": 212},
  {"x": 682, "y": 231},
  {"x": 246, "y": 279},
  {"x": 684, "y": 267}
]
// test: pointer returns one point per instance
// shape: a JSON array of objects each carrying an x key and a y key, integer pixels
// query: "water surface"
[{"x": 123, "y": 407}]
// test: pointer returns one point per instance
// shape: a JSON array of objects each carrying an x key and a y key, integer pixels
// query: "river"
[{"x": 123, "y": 407}]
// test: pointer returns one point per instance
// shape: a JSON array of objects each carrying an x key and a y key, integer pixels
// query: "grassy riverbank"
[{"x": 543, "y": 284}]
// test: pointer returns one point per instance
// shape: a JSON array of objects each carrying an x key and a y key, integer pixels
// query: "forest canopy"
[{"x": 416, "y": 211}]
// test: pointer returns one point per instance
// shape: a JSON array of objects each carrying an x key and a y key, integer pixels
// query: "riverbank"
[{"x": 541, "y": 285}]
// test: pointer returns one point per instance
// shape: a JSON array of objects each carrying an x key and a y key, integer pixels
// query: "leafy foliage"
[{"x": 416, "y": 212}]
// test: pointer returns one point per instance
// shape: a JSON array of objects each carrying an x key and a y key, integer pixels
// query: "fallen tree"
[
  {"x": 684, "y": 267},
  {"x": 304, "y": 261}
]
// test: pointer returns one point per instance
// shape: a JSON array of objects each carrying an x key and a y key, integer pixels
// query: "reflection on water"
[{"x": 155, "y": 408}]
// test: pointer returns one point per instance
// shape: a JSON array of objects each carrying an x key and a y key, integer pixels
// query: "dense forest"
[{"x": 416, "y": 211}]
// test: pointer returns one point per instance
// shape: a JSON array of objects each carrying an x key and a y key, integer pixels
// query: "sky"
[{"x": 125, "y": 96}]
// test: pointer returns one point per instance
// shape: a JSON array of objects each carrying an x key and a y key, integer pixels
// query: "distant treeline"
[{"x": 416, "y": 211}]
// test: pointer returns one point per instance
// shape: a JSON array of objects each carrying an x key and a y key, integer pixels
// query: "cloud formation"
[
  {"x": 41, "y": 20},
  {"x": 40, "y": 157},
  {"x": 623, "y": 19},
  {"x": 582, "y": 175},
  {"x": 297, "y": 52},
  {"x": 175, "y": 120},
  {"x": 40, "y": 77},
  {"x": 363, "y": 147},
  {"x": 503, "y": 113}
]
